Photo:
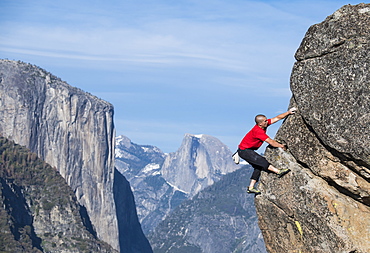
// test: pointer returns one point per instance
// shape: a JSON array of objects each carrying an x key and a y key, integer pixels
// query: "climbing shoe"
[
  {"x": 253, "y": 190},
  {"x": 282, "y": 172}
]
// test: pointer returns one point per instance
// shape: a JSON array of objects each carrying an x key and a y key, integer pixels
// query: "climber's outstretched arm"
[{"x": 283, "y": 115}]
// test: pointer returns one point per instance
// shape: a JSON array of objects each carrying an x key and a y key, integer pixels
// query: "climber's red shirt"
[{"x": 254, "y": 138}]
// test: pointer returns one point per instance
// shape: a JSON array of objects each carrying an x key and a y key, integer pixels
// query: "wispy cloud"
[
  {"x": 169, "y": 67},
  {"x": 218, "y": 35}
]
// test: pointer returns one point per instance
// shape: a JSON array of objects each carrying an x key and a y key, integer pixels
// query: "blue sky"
[{"x": 168, "y": 67}]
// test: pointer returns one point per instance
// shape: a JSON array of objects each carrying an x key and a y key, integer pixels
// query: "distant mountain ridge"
[
  {"x": 200, "y": 161},
  {"x": 141, "y": 164},
  {"x": 221, "y": 218},
  {"x": 162, "y": 181},
  {"x": 131, "y": 158}
]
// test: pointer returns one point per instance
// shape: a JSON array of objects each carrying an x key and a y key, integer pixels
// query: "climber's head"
[{"x": 261, "y": 120}]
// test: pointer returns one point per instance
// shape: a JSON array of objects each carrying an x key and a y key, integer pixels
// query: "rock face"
[
  {"x": 73, "y": 131},
  {"x": 70, "y": 130},
  {"x": 323, "y": 205}
]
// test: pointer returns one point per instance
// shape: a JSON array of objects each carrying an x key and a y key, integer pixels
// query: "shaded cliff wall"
[
  {"x": 323, "y": 205},
  {"x": 69, "y": 129},
  {"x": 132, "y": 238}
]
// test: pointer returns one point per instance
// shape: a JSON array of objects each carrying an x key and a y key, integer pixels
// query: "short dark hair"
[{"x": 258, "y": 119}]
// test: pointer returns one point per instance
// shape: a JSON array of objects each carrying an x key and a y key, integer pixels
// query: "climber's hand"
[{"x": 292, "y": 110}]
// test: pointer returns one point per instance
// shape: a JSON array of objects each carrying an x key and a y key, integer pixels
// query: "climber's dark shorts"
[{"x": 257, "y": 161}]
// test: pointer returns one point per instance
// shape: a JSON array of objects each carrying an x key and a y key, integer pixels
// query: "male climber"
[{"x": 253, "y": 140}]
